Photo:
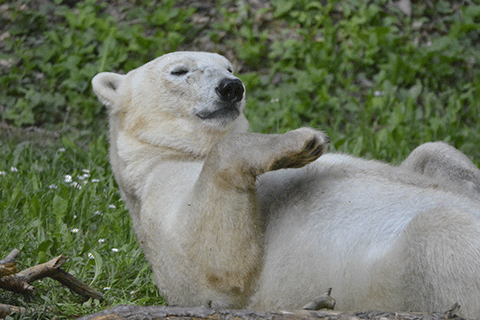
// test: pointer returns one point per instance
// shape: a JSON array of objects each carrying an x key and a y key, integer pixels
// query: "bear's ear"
[{"x": 106, "y": 85}]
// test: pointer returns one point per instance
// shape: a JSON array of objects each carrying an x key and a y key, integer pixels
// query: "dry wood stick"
[
  {"x": 6, "y": 309},
  {"x": 9, "y": 264},
  {"x": 20, "y": 282}
]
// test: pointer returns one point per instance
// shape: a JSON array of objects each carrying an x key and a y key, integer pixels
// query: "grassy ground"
[
  {"x": 377, "y": 81},
  {"x": 62, "y": 199}
]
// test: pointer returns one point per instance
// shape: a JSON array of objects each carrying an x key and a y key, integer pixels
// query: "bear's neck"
[{"x": 133, "y": 161}]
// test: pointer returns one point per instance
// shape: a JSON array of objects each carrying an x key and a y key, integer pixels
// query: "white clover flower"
[
  {"x": 74, "y": 230},
  {"x": 52, "y": 186},
  {"x": 114, "y": 250},
  {"x": 97, "y": 213},
  {"x": 13, "y": 169},
  {"x": 377, "y": 93},
  {"x": 95, "y": 180},
  {"x": 68, "y": 178},
  {"x": 90, "y": 256},
  {"x": 76, "y": 185},
  {"x": 61, "y": 150},
  {"x": 112, "y": 206},
  {"x": 85, "y": 175},
  {"x": 3, "y": 173},
  {"x": 74, "y": 216},
  {"x": 101, "y": 240}
]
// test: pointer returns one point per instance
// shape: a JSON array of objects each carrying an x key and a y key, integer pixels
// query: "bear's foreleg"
[{"x": 225, "y": 232}]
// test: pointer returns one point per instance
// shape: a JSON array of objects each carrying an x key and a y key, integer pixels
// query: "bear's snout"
[{"x": 230, "y": 90}]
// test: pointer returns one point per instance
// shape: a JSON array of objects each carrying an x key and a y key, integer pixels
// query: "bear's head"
[{"x": 185, "y": 101}]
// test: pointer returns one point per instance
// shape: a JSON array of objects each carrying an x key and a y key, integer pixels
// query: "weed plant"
[{"x": 378, "y": 81}]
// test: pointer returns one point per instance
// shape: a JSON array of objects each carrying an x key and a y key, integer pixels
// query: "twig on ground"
[
  {"x": 8, "y": 265},
  {"x": 6, "y": 310},
  {"x": 21, "y": 282}
]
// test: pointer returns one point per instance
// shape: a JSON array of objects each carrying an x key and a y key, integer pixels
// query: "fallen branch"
[
  {"x": 20, "y": 282},
  {"x": 127, "y": 312},
  {"x": 9, "y": 264},
  {"x": 6, "y": 310},
  {"x": 76, "y": 285}
]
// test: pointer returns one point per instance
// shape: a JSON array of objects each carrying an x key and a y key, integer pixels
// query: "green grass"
[
  {"x": 377, "y": 81},
  {"x": 62, "y": 199}
]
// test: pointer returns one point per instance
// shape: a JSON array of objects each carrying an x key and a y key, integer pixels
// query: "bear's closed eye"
[{"x": 179, "y": 71}]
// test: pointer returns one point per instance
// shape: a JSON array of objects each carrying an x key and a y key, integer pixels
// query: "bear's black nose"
[{"x": 230, "y": 90}]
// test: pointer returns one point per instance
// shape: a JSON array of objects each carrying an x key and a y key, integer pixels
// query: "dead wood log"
[
  {"x": 9, "y": 264},
  {"x": 20, "y": 282},
  {"x": 131, "y": 312},
  {"x": 6, "y": 310}
]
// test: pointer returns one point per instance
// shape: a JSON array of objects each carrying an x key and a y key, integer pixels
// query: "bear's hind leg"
[{"x": 447, "y": 165}]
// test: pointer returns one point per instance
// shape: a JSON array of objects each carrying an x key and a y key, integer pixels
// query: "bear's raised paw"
[{"x": 299, "y": 148}]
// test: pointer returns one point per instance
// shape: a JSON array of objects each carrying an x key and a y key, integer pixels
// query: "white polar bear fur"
[{"x": 222, "y": 224}]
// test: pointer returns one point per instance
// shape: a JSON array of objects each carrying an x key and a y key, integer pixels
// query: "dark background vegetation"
[{"x": 378, "y": 80}]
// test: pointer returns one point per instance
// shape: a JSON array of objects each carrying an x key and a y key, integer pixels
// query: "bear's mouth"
[{"x": 225, "y": 111}]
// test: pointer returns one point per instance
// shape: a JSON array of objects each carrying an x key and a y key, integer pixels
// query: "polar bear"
[{"x": 232, "y": 219}]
